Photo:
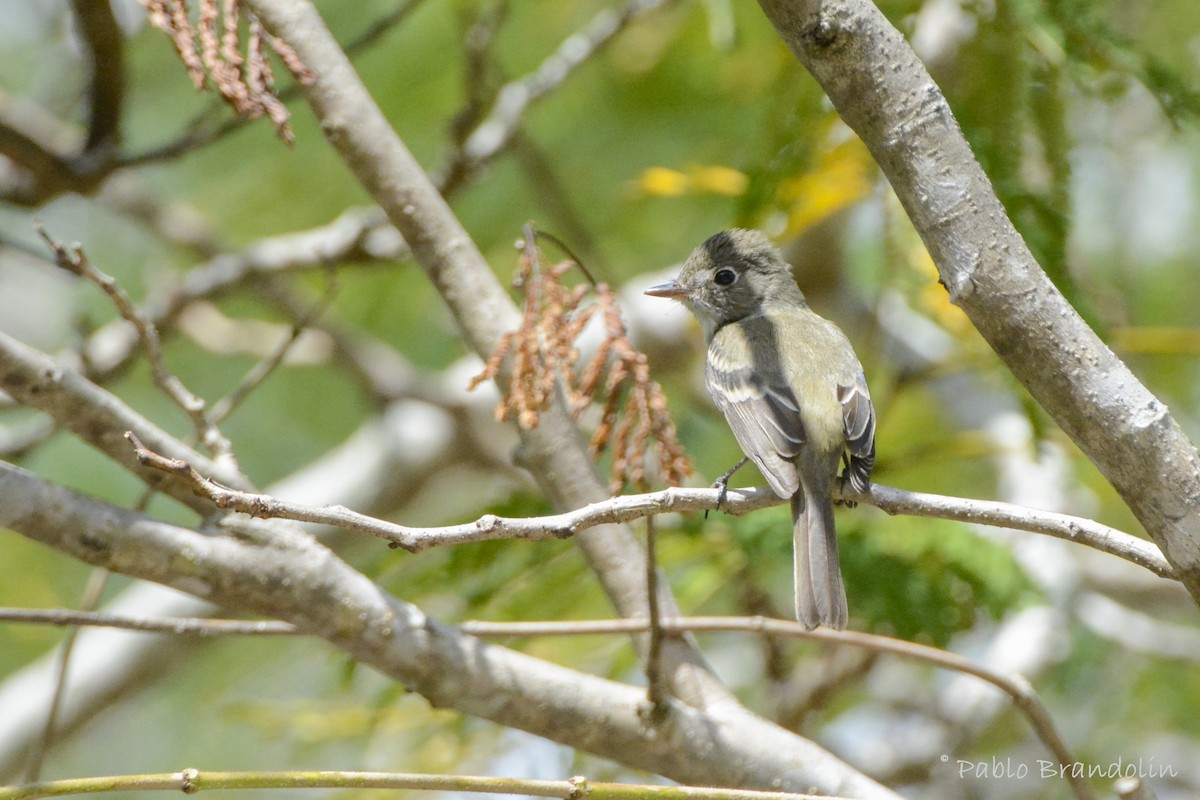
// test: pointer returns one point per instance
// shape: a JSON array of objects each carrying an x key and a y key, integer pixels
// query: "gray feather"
[{"x": 820, "y": 594}]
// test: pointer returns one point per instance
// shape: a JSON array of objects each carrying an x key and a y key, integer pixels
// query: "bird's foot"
[
  {"x": 722, "y": 484},
  {"x": 843, "y": 482}
]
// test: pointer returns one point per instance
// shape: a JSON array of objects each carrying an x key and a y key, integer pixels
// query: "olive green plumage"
[{"x": 792, "y": 391}]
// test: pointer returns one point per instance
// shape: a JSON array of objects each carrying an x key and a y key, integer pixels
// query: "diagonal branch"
[
  {"x": 553, "y": 452},
  {"x": 886, "y": 96},
  {"x": 496, "y": 133},
  {"x": 73, "y": 260},
  {"x": 101, "y": 419}
]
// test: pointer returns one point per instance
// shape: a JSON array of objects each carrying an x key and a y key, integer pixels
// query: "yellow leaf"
[
  {"x": 715, "y": 179},
  {"x": 662, "y": 182}
]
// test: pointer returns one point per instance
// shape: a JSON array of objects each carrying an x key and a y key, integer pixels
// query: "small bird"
[{"x": 792, "y": 390}]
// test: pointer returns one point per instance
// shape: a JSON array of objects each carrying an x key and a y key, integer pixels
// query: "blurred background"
[{"x": 690, "y": 118}]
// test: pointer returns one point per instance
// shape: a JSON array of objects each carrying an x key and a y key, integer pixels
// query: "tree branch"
[
  {"x": 553, "y": 451},
  {"x": 73, "y": 260},
  {"x": 182, "y": 626},
  {"x": 496, "y": 133},
  {"x": 104, "y": 46},
  {"x": 626, "y": 508},
  {"x": 356, "y": 234},
  {"x": 885, "y": 95},
  {"x": 297, "y": 580},
  {"x": 101, "y": 419},
  {"x": 1015, "y": 686}
]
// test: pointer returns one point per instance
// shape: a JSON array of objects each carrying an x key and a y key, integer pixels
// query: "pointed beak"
[{"x": 672, "y": 289}]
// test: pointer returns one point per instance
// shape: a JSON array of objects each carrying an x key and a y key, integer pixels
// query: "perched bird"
[{"x": 792, "y": 390}]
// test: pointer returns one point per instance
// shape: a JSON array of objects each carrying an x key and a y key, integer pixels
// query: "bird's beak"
[{"x": 672, "y": 289}]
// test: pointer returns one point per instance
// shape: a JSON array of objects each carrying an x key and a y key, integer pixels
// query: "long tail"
[{"x": 820, "y": 595}]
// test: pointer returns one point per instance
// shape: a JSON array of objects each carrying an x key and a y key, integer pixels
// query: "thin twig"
[
  {"x": 626, "y": 508},
  {"x": 1009, "y": 515},
  {"x": 263, "y": 369},
  {"x": 265, "y": 506},
  {"x": 183, "y": 626},
  {"x": 358, "y": 234},
  {"x": 190, "y": 781},
  {"x": 72, "y": 259},
  {"x": 498, "y": 130}
]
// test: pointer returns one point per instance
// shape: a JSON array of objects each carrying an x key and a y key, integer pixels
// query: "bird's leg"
[{"x": 722, "y": 483}]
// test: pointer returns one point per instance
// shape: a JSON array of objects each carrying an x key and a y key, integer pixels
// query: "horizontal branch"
[
  {"x": 1009, "y": 515},
  {"x": 627, "y": 508},
  {"x": 356, "y": 235},
  {"x": 190, "y": 781},
  {"x": 180, "y": 626}
]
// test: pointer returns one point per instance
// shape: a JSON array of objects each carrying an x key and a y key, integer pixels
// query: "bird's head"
[{"x": 733, "y": 275}]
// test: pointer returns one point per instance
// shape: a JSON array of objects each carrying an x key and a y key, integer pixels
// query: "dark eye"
[{"x": 725, "y": 277}]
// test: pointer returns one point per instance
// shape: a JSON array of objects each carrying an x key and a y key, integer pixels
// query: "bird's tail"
[{"x": 820, "y": 595}]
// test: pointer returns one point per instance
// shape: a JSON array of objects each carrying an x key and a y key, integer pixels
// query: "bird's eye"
[{"x": 725, "y": 277}]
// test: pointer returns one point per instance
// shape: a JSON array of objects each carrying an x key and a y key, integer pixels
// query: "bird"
[{"x": 793, "y": 392}]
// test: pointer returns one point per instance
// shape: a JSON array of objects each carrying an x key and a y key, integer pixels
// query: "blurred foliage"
[{"x": 696, "y": 117}]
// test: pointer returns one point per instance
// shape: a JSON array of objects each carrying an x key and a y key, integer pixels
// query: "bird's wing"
[
  {"x": 858, "y": 419},
  {"x": 761, "y": 409}
]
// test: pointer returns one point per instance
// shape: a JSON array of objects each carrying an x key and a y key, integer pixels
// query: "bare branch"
[
  {"x": 73, "y": 260},
  {"x": 627, "y": 508},
  {"x": 263, "y": 369},
  {"x": 656, "y": 687},
  {"x": 40, "y": 148},
  {"x": 362, "y": 136},
  {"x": 359, "y": 234},
  {"x": 265, "y": 506},
  {"x": 101, "y": 419},
  {"x": 182, "y": 626},
  {"x": 47, "y": 155},
  {"x": 91, "y": 596},
  {"x": 1007, "y": 515},
  {"x": 501, "y": 126}
]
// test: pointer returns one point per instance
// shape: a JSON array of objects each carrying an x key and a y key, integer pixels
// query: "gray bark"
[
  {"x": 288, "y": 575},
  {"x": 883, "y": 92}
]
